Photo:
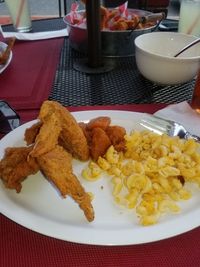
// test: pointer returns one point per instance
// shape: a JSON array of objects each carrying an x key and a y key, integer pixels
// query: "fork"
[{"x": 171, "y": 128}]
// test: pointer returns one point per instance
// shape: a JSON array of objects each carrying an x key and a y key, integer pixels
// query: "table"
[
  {"x": 122, "y": 85},
  {"x": 122, "y": 89}
]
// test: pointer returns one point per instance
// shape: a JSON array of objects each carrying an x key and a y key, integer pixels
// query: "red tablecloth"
[
  {"x": 28, "y": 80},
  {"x": 20, "y": 247}
]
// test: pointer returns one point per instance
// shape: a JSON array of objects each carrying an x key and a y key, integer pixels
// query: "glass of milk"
[
  {"x": 20, "y": 14},
  {"x": 189, "y": 21}
]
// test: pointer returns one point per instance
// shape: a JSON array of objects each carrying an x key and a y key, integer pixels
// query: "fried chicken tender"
[
  {"x": 31, "y": 133},
  {"x": 57, "y": 167},
  {"x": 47, "y": 137},
  {"x": 14, "y": 167},
  {"x": 72, "y": 136}
]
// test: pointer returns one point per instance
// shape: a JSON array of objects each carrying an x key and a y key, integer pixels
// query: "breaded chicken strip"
[
  {"x": 31, "y": 133},
  {"x": 14, "y": 167},
  {"x": 57, "y": 167},
  {"x": 71, "y": 135},
  {"x": 47, "y": 137}
]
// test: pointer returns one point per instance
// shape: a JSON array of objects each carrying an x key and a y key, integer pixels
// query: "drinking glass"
[
  {"x": 189, "y": 21},
  {"x": 20, "y": 14}
]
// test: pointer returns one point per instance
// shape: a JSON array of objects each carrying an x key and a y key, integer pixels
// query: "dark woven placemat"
[
  {"x": 41, "y": 25},
  {"x": 122, "y": 85}
]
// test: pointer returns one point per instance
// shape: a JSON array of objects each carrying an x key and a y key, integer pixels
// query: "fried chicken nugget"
[
  {"x": 99, "y": 144},
  {"x": 72, "y": 136},
  {"x": 47, "y": 137},
  {"x": 56, "y": 165},
  {"x": 14, "y": 167},
  {"x": 116, "y": 135},
  {"x": 101, "y": 122}
]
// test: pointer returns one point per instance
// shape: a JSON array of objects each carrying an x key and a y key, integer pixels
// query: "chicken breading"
[
  {"x": 101, "y": 122},
  {"x": 100, "y": 135},
  {"x": 15, "y": 168},
  {"x": 116, "y": 135},
  {"x": 72, "y": 136},
  {"x": 31, "y": 133},
  {"x": 99, "y": 144},
  {"x": 57, "y": 167},
  {"x": 47, "y": 137}
]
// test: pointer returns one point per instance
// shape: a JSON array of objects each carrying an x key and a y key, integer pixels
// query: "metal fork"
[{"x": 171, "y": 128}]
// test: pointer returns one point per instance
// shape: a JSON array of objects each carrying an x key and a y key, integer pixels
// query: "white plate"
[
  {"x": 40, "y": 208},
  {"x": 2, "y": 48}
]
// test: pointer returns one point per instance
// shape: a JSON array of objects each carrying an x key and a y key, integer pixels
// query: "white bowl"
[{"x": 154, "y": 57}]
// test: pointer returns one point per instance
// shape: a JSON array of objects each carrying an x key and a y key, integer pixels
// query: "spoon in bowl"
[{"x": 187, "y": 46}]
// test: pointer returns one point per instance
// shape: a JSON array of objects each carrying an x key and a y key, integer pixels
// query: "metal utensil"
[
  {"x": 163, "y": 126},
  {"x": 187, "y": 47},
  {"x": 154, "y": 17}
]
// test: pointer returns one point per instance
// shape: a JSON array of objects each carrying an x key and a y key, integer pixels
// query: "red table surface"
[
  {"x": 25, "y": 248},
  {"x": 28, "y": 80}
]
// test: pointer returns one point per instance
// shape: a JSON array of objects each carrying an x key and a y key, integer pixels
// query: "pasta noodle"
[{"x": 151, "y": 175}]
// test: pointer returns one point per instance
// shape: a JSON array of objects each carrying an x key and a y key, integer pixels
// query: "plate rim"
[
  {"x": 9, "y": 59},
  {"x": 152, "y": 233}
]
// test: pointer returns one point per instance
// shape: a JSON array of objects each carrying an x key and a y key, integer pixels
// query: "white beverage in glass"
[
  {"x": 20, "y": 14},
  {"x": 189, "y": 22}
]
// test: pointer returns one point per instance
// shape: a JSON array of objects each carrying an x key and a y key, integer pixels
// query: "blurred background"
[{"x": 50, "y": 8}]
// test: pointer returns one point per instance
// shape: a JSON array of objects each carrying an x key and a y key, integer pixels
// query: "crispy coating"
[
  {"x": 99, "y": 144},
  {"x": 14, "y": 167},
  {"x": 105, "y": 135},
  {"x": 47, "y": 137},
  {"x": 100, "y": 122},
  {"x": 72, "y": 136},
  {"x": 116, "y": 135},
  {"x": 56, "y": 165},
  {"x": 86, "y": 132},
  {"x": 31, "y": 133}
]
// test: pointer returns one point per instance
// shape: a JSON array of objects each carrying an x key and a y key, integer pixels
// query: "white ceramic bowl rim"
[{"x": 171, "y": 58}]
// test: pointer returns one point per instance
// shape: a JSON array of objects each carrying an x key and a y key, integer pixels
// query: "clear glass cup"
[
  {"x": 189, "y": 21},
  {"x": 20, "y": 14}
]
